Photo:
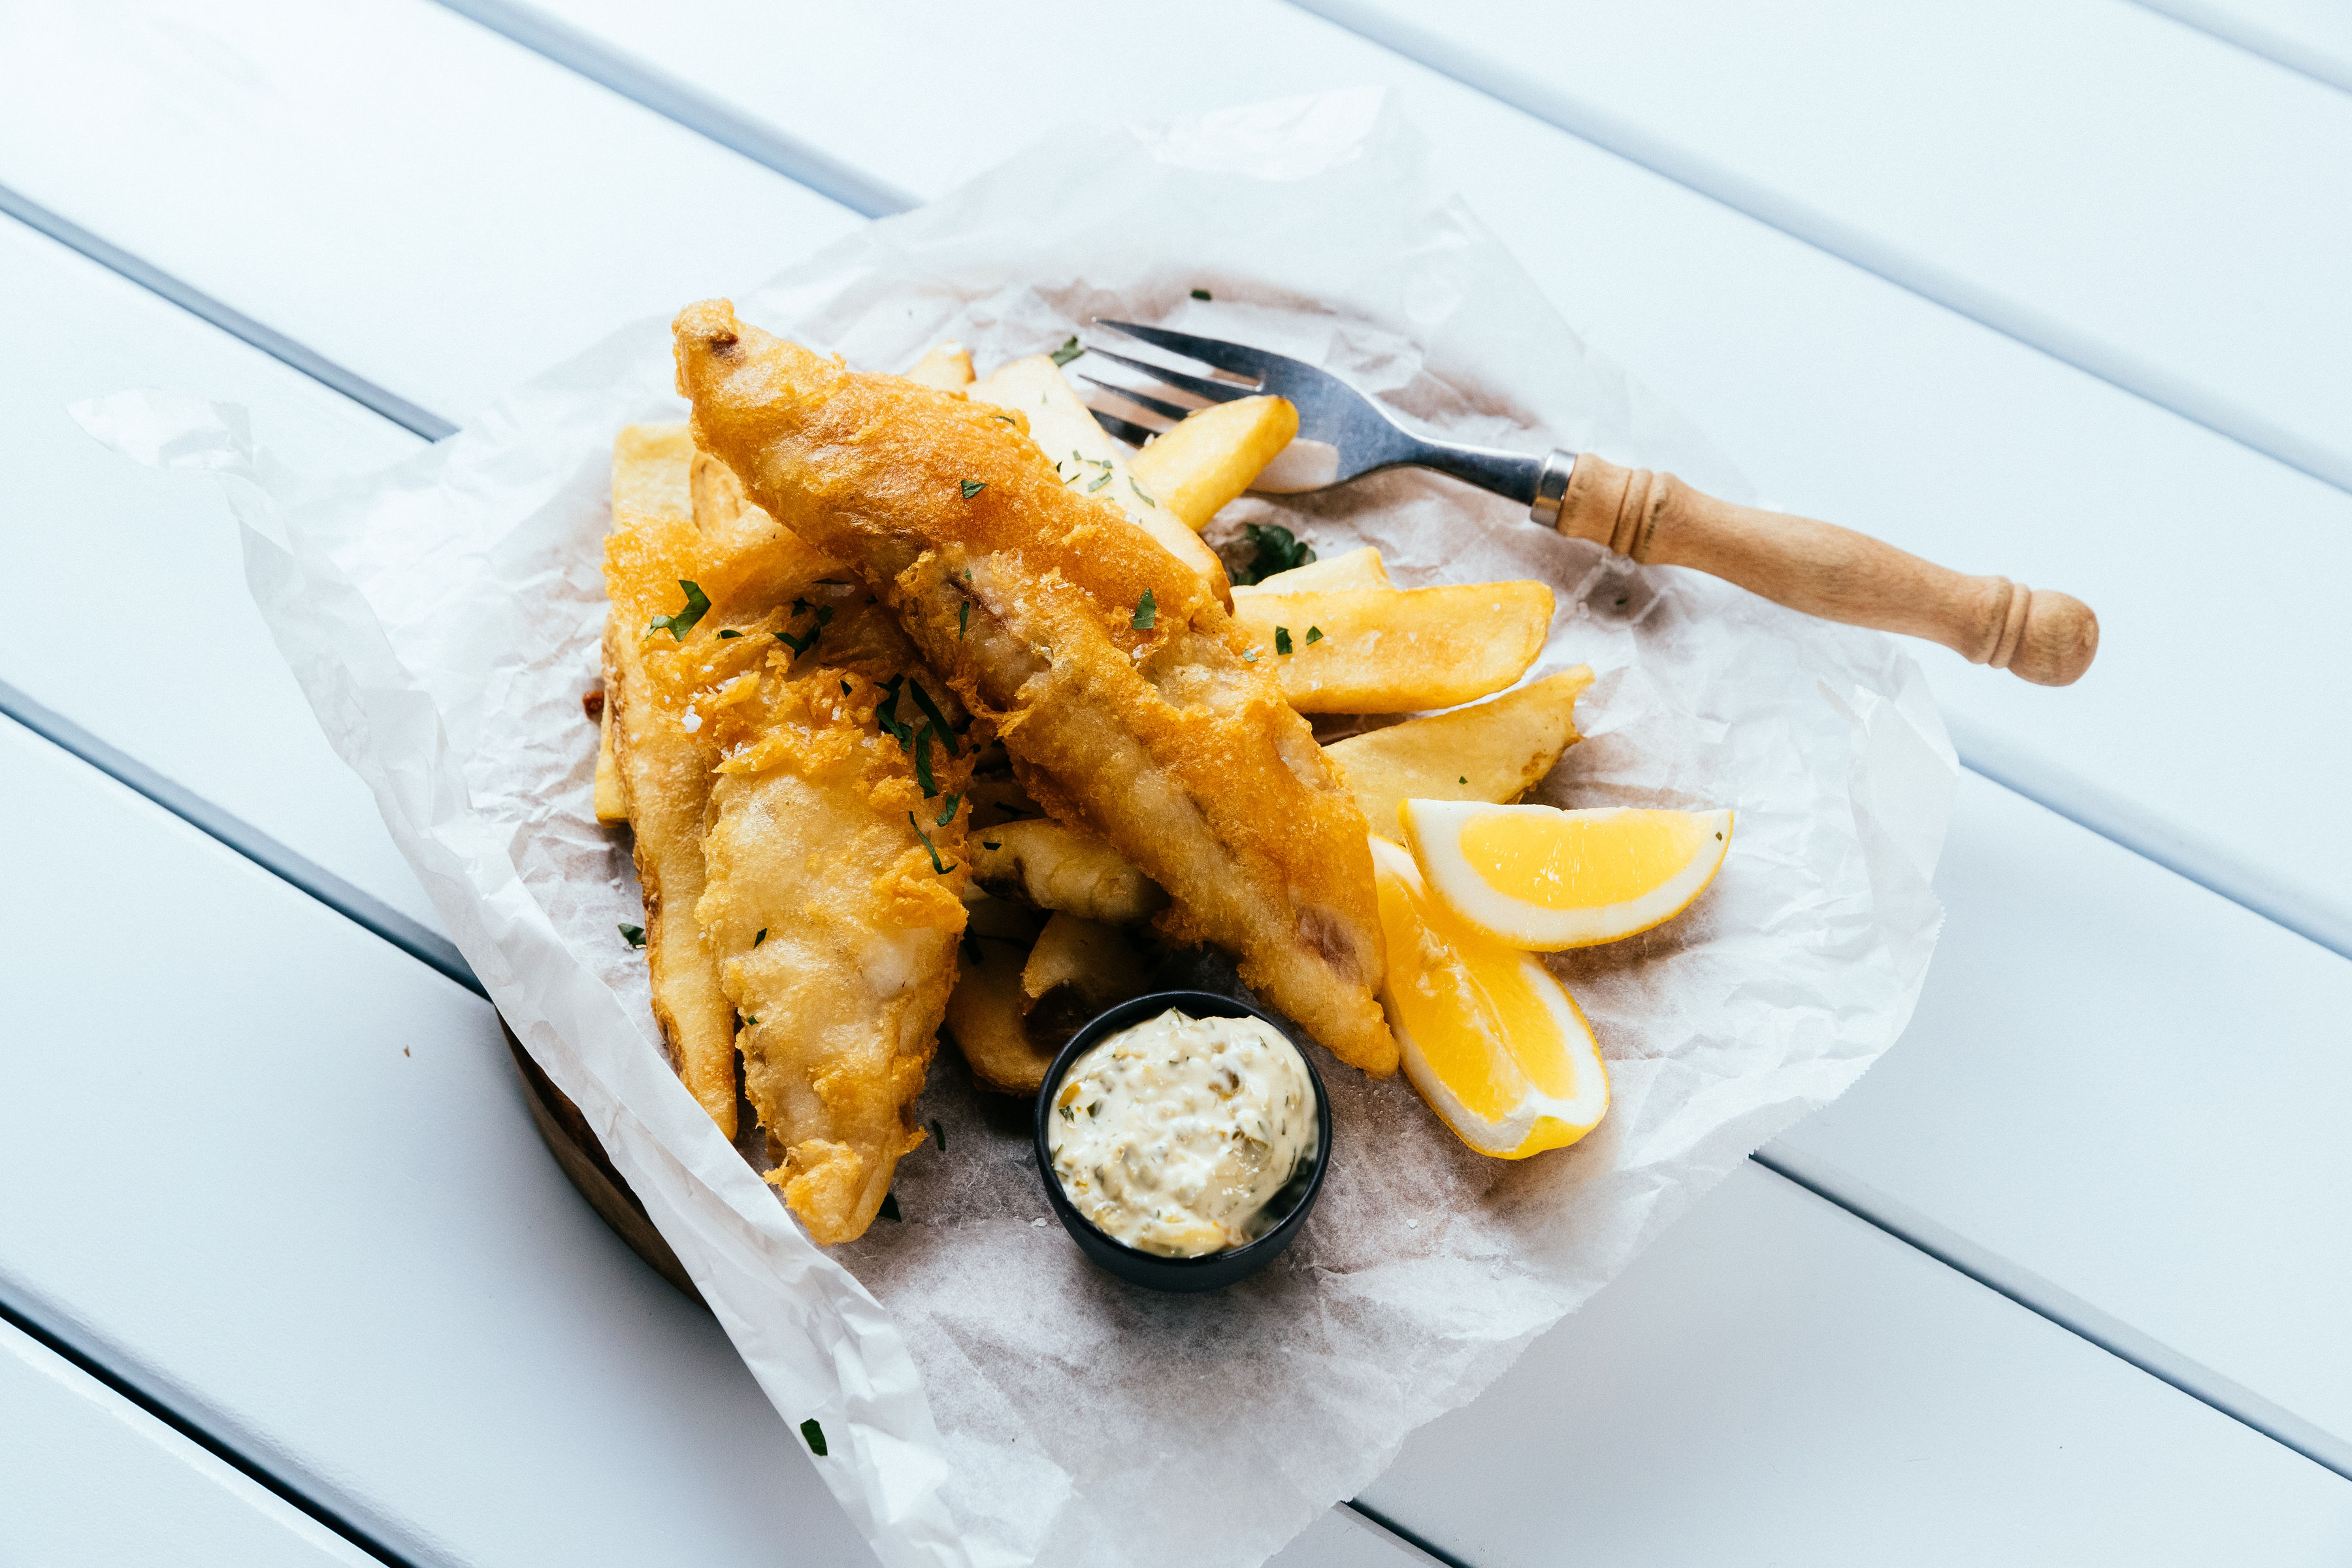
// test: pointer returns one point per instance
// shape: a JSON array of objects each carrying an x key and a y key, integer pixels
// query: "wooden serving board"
[{"x": 591, "y": 1170}]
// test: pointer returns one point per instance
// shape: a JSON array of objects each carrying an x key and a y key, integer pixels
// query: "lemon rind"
[{"x": 1451, "y": 881}]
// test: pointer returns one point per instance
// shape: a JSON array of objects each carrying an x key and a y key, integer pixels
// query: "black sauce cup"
[{"x": 1212, "y": 1272}]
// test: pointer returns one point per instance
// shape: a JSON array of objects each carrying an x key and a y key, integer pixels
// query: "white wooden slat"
[
  {"x": 387, "y": 182},
  {"x": 173, "y": 663},
  {"x": 452, "y": 1354},
  {"x": 279, "y": 1176},
  {"x": 2150, "y": 1121},
  {"x": 2088, "y": 176},
  {"x": 1779, "y": 1383},
  {"x": 87, "y": 1478},
  {"x": 1841, "y": 396}
]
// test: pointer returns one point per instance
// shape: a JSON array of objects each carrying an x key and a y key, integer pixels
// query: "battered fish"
[
  {"x": 835, "y": 844},
  {"x": 1106, "y": 664}
]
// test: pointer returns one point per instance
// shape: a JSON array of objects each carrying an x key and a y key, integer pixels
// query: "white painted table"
[{"x": 2059, "y": 1281}]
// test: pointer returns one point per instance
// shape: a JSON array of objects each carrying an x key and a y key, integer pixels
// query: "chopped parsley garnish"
[
  {"x": 890, "y": 1207},
  {"x": 973, "y": 487},
  {"x": 1464, "y": 779},
  {"x": 940, "y": 1137},
  {"x": 813, "y": 1436},
  {"x": 1274, "y": 548},
  {"x": 923, "y": 779},
  {"x": 1315, "y": 634},
  {"x": 887, "y": 715},
  {"x": 931, "y": 711},
  {"x": 729, "y": 632},
  {"x": 634, "y": 935},
  {"x": 1199, "y": 293},
  {"x": 698, "y": 605},
  {"x": 939, "y": 865},
  {"x": 761, "y": 938},
  {"x": 1100, "y": 480},
  {"x": 1146, "y": 613},
  {"x": 1140, "y": 493},
  {"x": 1282, "y": 640},
  {"x": 798, "y": 644},
  {"x": 963, "y": 618},
  {"x": 749, "y": 1021},
  {"x": 1067, "y": 351},
  {"x": 1250, "y": 657},
  {"x": 947, "y": 813}
]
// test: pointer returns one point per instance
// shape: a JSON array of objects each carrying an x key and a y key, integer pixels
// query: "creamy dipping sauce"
[{"x": 1172, "y": 1136}]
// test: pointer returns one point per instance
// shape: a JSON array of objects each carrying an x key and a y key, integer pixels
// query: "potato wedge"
[
  {"x": 1373, "y": 650},
  {"x": 1360, "y": 568},
  {"x": 1056, "y": 866},
  {"x": 1494, "y": 752},
  {"x": 1078, "y": 968},
  {"x": 947, "y": 367},
  {"x": 1210, "y": 456},
  {"x": 984, "y": 1011},
  {"x": 1088, "y": 460}
]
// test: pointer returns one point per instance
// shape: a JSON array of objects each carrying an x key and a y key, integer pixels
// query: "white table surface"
[{"x": 2046, "y": 1123}]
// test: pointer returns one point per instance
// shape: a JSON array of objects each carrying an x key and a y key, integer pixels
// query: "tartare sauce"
[{"x": 1172, "y": 1136}]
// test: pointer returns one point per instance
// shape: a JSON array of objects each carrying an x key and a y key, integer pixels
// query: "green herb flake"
[
  {"x": 890, "y": 1207},
  {"x": 749, "y": 1022},
  {"x": 1146, "y": 613},
  {"x": 1274, "y": 548},
  {"x": 1464, "y": 779},
  {"x": 698, "y": 605},
  {"x": 923, "y": 780},
  {"x": 947, "y": 811},
  {"x": 798, "y": 644},
  {"x": 973, "y": 487},
  {"x": 634, "y": 935},
  {"x": 1100, "y": 480},
  {"x": 813, "y": 1436},
  {"x": 1282, "y": 641},
  {"x": 931, "y": 711},
  {"x": 1315, "y": 634},
  {"x": 761, "y": 938},
  {"x": 940, "y": 1137},
  {"x": 1199, "y": 293},
  {"x": 887, "y": 715},
  {"x": 939, "y": 865},
  {"x": 729, "y": 632},
  {"x": 1250, "y": 657},
  {"x": 1067, "y": 351},
  {"x": 1140, "y": 493},
  {"x": 963, "y": 618}
]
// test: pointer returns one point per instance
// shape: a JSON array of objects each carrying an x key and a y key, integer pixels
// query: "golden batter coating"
[{"x": 1104, "y": 662}]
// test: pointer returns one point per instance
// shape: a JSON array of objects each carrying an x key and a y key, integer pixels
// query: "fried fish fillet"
[
  {"x": 1104, "y": 662},
  {"x": 835, "y": 844}
]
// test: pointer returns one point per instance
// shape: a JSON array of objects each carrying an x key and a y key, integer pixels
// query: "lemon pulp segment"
[
  {"x": 1493, "y": 1042},
  {"x": 1559, "y": 861}
]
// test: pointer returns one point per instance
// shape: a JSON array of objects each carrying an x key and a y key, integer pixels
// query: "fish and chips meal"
[{"x": 928, "y": 706}]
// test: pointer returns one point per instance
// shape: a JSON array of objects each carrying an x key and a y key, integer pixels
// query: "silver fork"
[{"x": 1816, "y": 567}]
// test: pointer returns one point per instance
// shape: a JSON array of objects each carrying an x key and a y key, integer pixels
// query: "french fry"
[
  {"x": 1494, "y": 752},
  {"x": 1360, "y": 568},
  {"x": 1088, "y": 460},
  {"x": 1210, "y": 456},
  {"x": 1058, "y": 866},
  {"x": 1373, "y": 650},
  {"x": 984, "y": 1011},
  {"x": 947, "y": 367},
  {"x": 1078, "y": 968}
]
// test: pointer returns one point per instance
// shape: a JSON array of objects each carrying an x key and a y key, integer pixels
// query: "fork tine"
[
  {"x": 1238, "y": 358},
  {"x": 1156, "y": 404},
  {"x": 1199, "y": 385},
  {"x": 1133, "y": 433}
]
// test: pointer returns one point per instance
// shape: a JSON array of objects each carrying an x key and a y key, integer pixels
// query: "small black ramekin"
[{"x": 1215, "y": 1270}]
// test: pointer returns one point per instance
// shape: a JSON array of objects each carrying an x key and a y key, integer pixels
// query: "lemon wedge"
[
  {"x": 1539, "y": 877},
  {"x": 1495, "y": 1046}
]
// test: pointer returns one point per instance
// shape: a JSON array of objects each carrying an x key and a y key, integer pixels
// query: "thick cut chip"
[
  {"x": 984, "y": 1012},
  {"x": 1078, "y": 968},
  {"x": 833, "y": 898},
  {"x": 1103, "y": 661},
  {"x": 1357, "y": 568},
  {"x": 1088, "y": 460},
  {"x": 947, "y": 368},
  {"x": 1370, "y": 650},
  {"x": 1494, "y": 752},
  {"x": 1209, "y": 457}
]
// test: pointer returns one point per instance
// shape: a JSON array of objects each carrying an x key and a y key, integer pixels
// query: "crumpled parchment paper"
[{"x": 988, "y": 1397}]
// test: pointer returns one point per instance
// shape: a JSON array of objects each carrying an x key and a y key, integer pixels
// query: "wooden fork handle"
[{"x": 1831, "y": 572}]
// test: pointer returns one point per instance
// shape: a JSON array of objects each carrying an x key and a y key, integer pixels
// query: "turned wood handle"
[{"x": 1831, "y": 572}]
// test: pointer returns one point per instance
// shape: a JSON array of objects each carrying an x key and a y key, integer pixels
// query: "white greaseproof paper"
[{"x": 987, "y": 1395}]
